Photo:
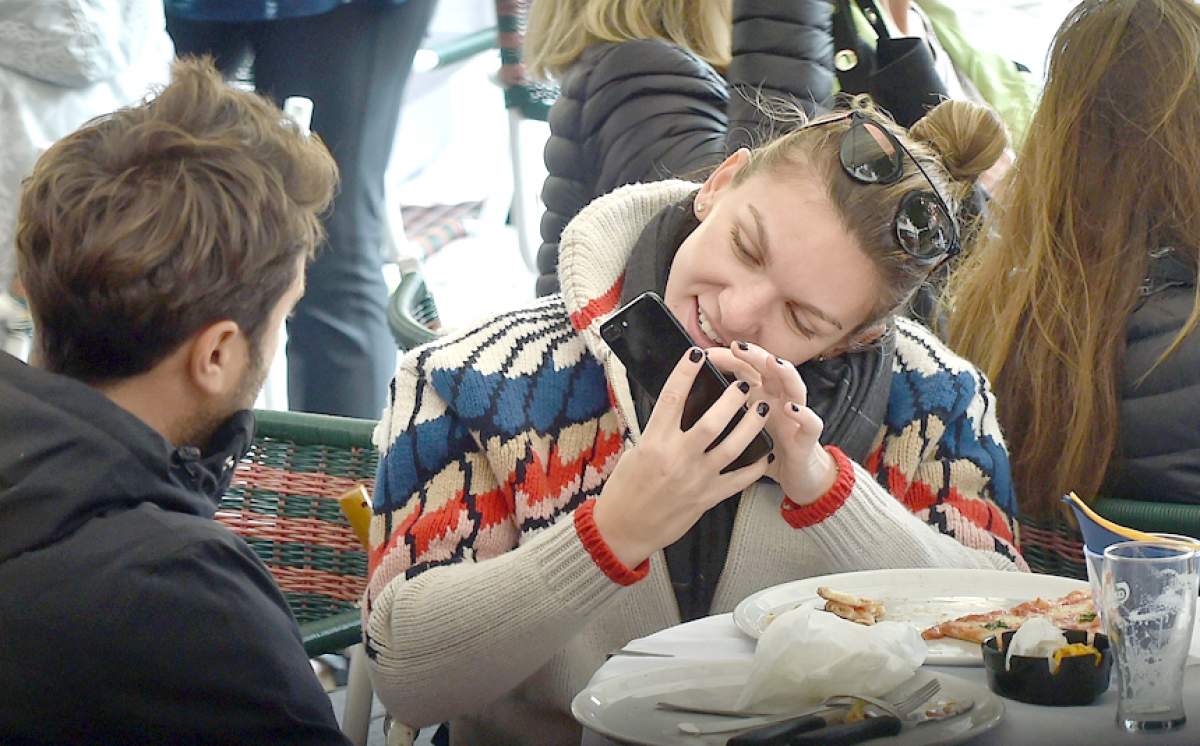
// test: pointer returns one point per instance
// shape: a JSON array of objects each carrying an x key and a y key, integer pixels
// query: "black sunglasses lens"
[
  {"x": 923, "y": 227},
  {"x": 869, "y": 155}
]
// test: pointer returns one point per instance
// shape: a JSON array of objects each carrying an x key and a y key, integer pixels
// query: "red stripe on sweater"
[
  {"x": 434, "y": 525},
  {"x": 918, "y": 496},
  {"x": 494, "y": 507},
  {"x": 803, "y": 516},
  {"x": 597, "y": 547},
  {"x": 546, "y": 481},
  {"x": 597, "y": 307}
]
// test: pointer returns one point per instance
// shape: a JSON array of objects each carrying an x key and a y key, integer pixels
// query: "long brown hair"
[{"x": 1106, "y": 175}]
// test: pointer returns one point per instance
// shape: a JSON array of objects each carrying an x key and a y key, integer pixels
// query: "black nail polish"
[
  {"x": 781, "y": 361},
  {"x": 743, "y": 387},
  {"x": 795, "y": 407},
  {"x": 743, "y": 346},
  {"x": 763, "y": 408},
  {"x": 695, "y": 355},
  {"x": 771, "y": 457}
]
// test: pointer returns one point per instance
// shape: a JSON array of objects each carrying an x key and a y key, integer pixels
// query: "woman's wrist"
[
  {"x": 608, "y": 522},
  {"x": 821, "y": 475}
]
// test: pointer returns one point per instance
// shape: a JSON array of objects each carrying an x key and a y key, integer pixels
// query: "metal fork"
[{"x": 903, "y": 707}]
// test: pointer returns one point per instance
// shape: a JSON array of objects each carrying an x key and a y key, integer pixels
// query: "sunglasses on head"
[{"x": 871, "y": 154}]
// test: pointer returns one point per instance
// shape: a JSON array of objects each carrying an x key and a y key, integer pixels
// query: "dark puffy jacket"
[
  {"x": 1160, "y": 416},
  {"x": 128, "y": 615},
  {"x": 646, "y": 110}
]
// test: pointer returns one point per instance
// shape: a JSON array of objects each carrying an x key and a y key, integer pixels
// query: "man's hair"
[{"x": 148, "y": 224}]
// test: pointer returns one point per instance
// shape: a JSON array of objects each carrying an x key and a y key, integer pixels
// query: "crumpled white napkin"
[
  {"x": 808, "y": 654},
  {"x": 1038, "y": 637}
]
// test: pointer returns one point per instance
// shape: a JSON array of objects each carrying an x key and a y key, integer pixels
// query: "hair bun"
[{"x": 969, "y": 137}]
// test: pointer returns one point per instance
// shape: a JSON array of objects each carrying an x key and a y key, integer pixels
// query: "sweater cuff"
[
  {"x": 593, "y": 542},
  {"x": 803, "y": 516}
]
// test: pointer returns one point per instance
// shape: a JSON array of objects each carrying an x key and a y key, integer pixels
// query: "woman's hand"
[
  {"x": 803, "y": 468},
  {"x": 662, "y": 486}
]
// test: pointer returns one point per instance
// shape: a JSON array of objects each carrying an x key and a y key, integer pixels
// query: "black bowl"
[{"x": 1078, "y": 680}]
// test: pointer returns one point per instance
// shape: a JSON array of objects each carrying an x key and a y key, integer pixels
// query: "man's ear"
[
  {"x": 217, "y": 356},
  {"x": 718, "y": 181}
]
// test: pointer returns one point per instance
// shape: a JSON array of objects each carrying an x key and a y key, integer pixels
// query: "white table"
[{"x": 716, "y": 638}]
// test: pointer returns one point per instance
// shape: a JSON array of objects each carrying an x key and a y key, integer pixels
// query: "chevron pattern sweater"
[{"x": 493, "y": 598}]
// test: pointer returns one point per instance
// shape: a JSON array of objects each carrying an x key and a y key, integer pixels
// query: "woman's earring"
[{"x": 699, "y": 208}]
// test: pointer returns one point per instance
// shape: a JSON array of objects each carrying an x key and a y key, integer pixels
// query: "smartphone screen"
[{"x": 650, "y": 341}]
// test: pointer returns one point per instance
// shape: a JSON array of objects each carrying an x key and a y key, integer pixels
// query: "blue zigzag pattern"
[
  {"x": 945, "y": 395},
  {"x": 491, "y": 404}
]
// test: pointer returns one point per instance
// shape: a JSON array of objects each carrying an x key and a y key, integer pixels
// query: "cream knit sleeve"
[
  {"x": 461, "y": 606},
  {"x": 937, "y": 492}
]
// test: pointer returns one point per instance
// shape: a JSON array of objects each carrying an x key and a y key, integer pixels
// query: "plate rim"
[
  {"x": 978, "y": 690},
  {"x": 744, "y": 624}
]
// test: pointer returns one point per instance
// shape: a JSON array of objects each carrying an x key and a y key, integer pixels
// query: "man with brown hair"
[{"x": 160, "y": 248}]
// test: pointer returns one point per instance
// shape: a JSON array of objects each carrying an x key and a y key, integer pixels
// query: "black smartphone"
[{"x": 650, "y": 341}]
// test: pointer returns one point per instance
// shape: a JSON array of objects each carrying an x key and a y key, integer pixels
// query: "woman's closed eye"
[
  {"x": 741, "y": 251},
  {"x": 799, "y": 325}
]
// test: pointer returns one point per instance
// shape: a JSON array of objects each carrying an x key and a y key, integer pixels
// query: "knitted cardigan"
[{"x": 493, "y": 598}]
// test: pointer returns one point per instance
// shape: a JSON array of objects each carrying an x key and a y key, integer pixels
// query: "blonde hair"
[
  {"x": 955, "y": 142},
  {"x": 559, "y": 30},
  {"x": 1105, "y": 176}
]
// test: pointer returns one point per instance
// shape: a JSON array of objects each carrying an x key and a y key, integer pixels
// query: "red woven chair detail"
[
  {"x": 283, "y": 502},
  {"x": 1052, "y": 546}
]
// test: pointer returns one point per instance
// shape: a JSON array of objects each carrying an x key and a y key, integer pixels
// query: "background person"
[
  {"x": 533, "y": 512},
  {"x": 352, "y": 60},
  {"x": 658, "y": 89},
  {"x": 160, "y": 248},
  {"x": 63, "y": 62},
  {"x": 1081, "y": 302}
]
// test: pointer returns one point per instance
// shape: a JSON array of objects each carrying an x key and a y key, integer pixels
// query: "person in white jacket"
[{"x": 63, "y": 62}]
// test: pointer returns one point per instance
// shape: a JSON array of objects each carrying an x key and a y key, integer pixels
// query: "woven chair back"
[
  {"x": 1052, "y": 546},
  {"x": 284, "y": 503}
]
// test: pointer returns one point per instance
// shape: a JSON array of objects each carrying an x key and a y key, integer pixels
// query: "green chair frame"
[
  {"x": 412, "y": 313},
  {"x": 284, "y": 502}
]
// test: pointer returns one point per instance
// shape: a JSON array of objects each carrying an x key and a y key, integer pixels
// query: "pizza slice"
[
  {"x": 1073, "y": 611},
  {"x": 854, "y": 608}
]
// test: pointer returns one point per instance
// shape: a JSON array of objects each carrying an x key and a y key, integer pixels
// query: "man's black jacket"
[{"x": 127, "y": 614}]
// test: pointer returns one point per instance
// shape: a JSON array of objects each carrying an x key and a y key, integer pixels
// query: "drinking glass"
[
  {"x": 1095, "y": 568},
  {"x": 1149, "y": 608}
]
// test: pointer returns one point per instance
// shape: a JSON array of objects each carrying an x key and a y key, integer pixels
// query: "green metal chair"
[
  {"x": 1055, "y": 547},
  {"x": 284, "y": 502},
  {"x": 525, "y": 100},
  {"x": 412, "y": 314}
]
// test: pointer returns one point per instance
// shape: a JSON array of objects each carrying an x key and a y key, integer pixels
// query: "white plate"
[
  {"x": 920, "y": 597},
  {"x": 623, "y": 707}
]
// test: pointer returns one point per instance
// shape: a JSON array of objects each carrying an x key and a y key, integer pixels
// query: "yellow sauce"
[{"x": 1071, "y": 651}]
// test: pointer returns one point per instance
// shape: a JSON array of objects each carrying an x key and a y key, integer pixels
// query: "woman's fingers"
[
  {"x": 735, "y": 481},
  {"x": 791, "y": 383},
  {"x": 805, "y": 426},
  {"x": 668, "y": 409},
  {"x": 779, "y": 378},
  {"x": 732, "y": 367},
  {"x": 749, "y": 426},
  {"x": 716, "y": 420}
]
